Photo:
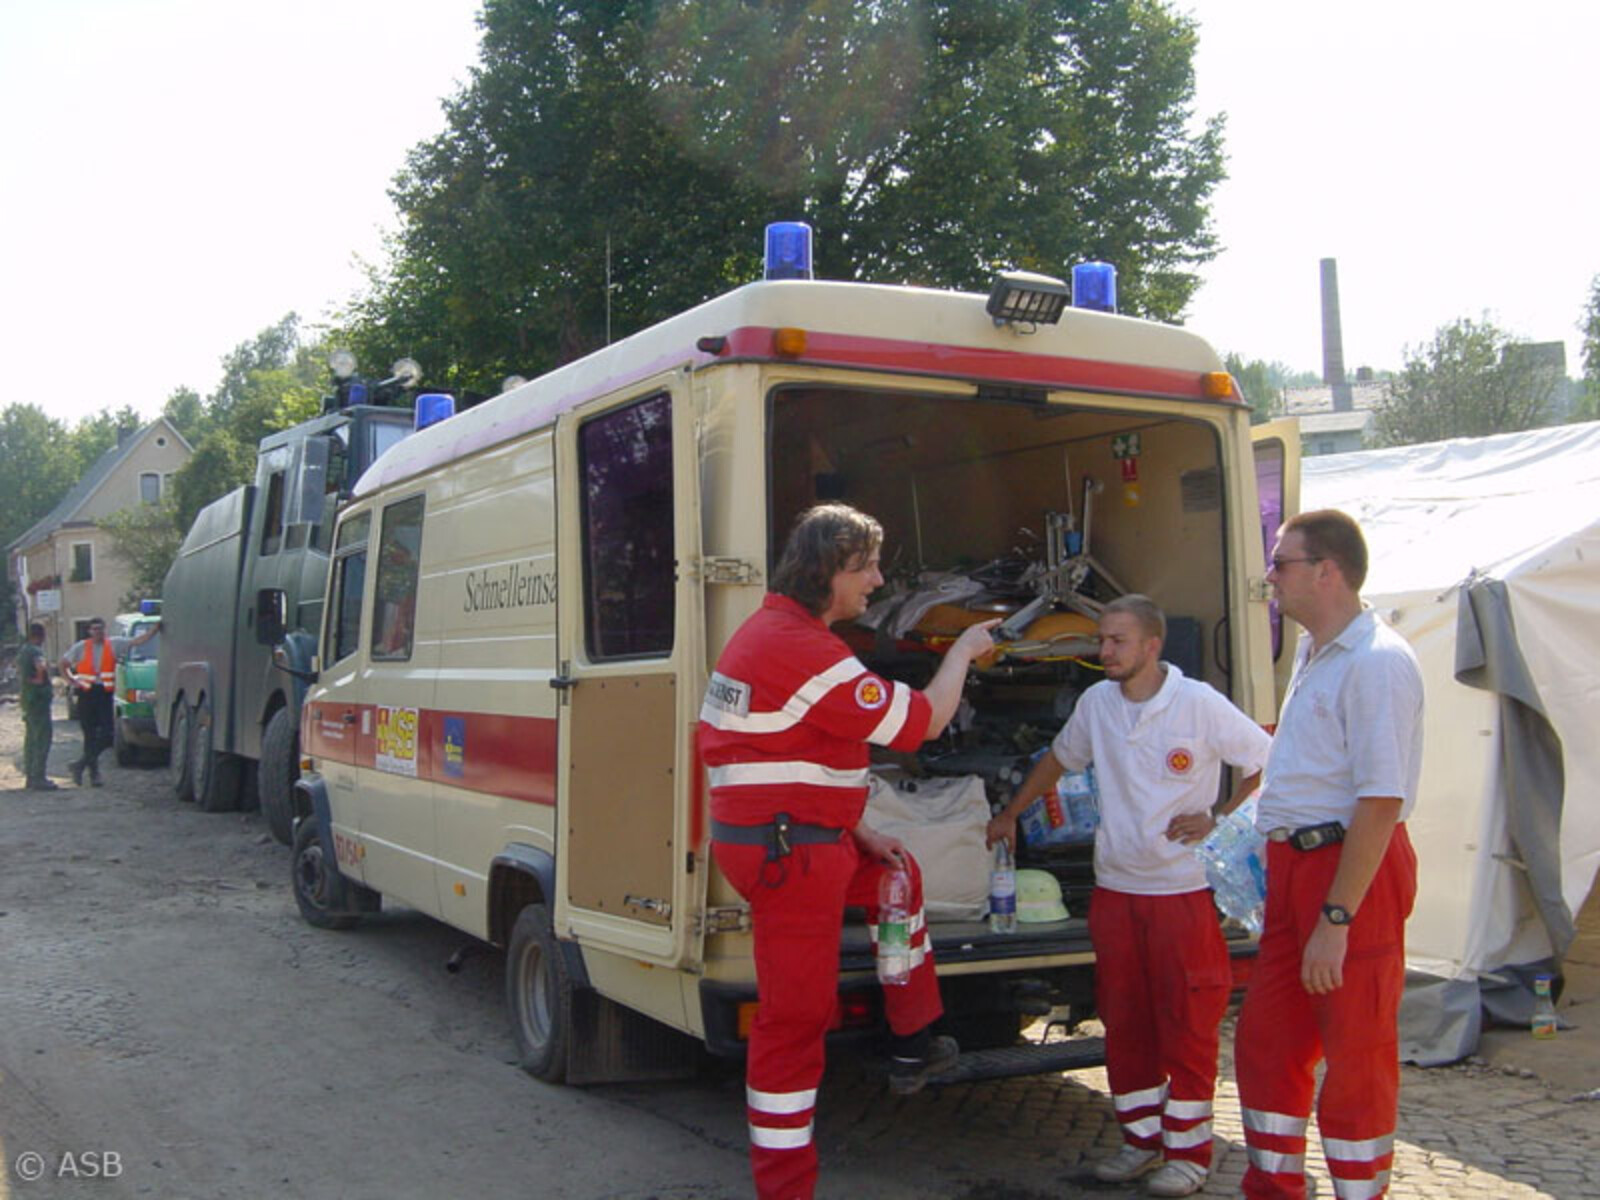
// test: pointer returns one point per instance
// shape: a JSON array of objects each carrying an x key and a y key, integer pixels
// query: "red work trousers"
[
  {"x": 1284, "y": 1031},
  {"x": 1161, "y": 985},
  {"x": 797, "y": 914}
]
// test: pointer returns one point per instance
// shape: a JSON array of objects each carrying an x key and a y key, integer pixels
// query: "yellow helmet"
[{"x": 1039, "y": 896}]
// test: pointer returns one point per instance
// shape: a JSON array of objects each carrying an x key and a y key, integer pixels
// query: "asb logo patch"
[
  {"x": 1179, "y": 761},
  {"x": 871, "y": 693}
]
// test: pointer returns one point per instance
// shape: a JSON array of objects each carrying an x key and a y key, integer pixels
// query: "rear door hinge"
[
  {"x": 1259, "y": 590},
  {"x": 729, "y": 570},
  {"x": 733, "y": 919}
]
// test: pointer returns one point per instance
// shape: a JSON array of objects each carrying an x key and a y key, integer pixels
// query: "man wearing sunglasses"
[{"x": 1340, "y": 780}]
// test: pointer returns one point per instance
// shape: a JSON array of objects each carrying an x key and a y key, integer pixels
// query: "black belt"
[
  {"x": 1309, "y": 837},
  {"x": 779, "y": 835}
]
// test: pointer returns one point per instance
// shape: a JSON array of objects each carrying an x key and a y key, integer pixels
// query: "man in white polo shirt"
[
  {"x": 1341, "y": 878},
  {"x": 1158, "y": 741}
]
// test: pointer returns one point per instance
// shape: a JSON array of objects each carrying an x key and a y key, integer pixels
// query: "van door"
[
  {"x": 1277, "y": 451},
  {"x": 629, "y": 648}
]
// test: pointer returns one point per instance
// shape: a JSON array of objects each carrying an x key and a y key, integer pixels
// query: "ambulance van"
[{"x": 525, "y": 602}]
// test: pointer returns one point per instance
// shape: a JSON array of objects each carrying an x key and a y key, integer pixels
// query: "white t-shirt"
[
  {"x": 1155, "y": 761},
  {"x": 1351, "y": 727}
]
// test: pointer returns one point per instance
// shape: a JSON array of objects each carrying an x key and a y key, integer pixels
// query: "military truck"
[{"x": 232, "y": 718}]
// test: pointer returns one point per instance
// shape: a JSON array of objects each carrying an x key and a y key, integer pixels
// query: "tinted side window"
[
  {"x": 349, "y": 581},
  {"x": 626, "y": 458},
  {"x": 272, "y": 521},
  {"x": 394, "y": 614}
]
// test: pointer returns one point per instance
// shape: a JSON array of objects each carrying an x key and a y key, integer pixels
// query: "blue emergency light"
[
  {"x": 788, "y": 250},
  {"x": 149, "y": 608},
  {"x": 433, "y": 407},
  {"x": 1094, "y": 286},
  {"x": 355, "y": 392}
]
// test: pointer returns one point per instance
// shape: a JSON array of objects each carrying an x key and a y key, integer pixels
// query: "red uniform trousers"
[
  {"x": 1284, "y": 1030},
  {"x": 1161, "y": 985},
  {"x": 797, "y": 913}
]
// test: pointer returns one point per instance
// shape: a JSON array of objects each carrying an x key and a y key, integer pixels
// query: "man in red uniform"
[
  {"x": 1341, "y": 877},
  {"x": 785, "y": 732}
]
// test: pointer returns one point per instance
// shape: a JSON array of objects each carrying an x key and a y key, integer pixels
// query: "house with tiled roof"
[{"x": 63, "y": 566}]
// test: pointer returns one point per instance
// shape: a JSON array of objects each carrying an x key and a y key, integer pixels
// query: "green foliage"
[
  {"x": 927, "y": 141},
  {"x": 1588, "y": 404},
  {"x": 1473, "y": 379},
  {"x": 220, "y": 463},
  {"x": 1264, "y": 383},
  {"x": 186, "y": 412},
  {"x": 146, "y": 537}
]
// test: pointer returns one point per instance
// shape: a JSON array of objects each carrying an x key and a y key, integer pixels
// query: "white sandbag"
[{"x": 942, "y": 821}]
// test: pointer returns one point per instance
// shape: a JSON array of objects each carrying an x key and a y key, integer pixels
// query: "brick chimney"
[{"x": 1333, "y": 339}]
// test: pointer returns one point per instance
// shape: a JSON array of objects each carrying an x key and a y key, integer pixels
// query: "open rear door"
[
  {"x": 1277, "y": 450},
  {"x": 628, "y": 635}
]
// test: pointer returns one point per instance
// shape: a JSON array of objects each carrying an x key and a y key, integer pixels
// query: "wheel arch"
[{"x": 521, "y": 875}]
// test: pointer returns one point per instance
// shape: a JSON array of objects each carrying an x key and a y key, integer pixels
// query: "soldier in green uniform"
[{"x": 34, "y": 671}]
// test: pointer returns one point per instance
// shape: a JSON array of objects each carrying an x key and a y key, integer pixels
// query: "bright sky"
[{"x": 175, "y": 175}]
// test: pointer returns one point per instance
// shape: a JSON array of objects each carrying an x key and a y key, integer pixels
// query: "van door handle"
[
  {"x": 563, "y": 682},
  {"x": 349, "y": 718}
]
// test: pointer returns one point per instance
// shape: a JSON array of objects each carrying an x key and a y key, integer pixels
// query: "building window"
[
  {"x": 150, "y": 488},
  {"x": 628, "y": 558},
  {"x": 82, "y": 562},
  {"x": 394, "y": 614}
]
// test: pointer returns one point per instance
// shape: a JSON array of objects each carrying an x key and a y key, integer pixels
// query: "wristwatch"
[{"x": 1337, "y": 914}]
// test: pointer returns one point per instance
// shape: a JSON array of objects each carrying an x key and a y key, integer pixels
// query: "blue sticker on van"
[{"x": 455, "y": 746}]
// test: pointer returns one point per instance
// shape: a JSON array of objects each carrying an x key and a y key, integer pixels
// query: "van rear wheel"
[{"x": 539, "y": 995}]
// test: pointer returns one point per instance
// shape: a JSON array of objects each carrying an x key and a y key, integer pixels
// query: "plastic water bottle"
[
  {"x": 1235, "y": 868},
  {"x": 1079, "y": 793},
  {"x": 1003, "y": 890},
  {"x": 894, "y": 927},
  {"x": 1544, "y": 1008}
]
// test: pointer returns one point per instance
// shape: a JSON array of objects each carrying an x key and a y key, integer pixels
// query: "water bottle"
[
  {"x": 1235, "y": 869},
  {"x": 1003, "y": 890},
  {"x": 1544, "y": 1008},
  {"x": 1078, "y": 790},
  {"x": 894, "y": 927}
]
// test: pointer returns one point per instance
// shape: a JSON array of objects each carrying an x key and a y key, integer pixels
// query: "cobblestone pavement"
[{"x": 1468, "y": 1131}]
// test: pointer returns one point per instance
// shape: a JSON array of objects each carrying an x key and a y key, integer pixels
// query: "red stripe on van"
[
  {"x": 500, "y": 755},
  {"x": 976, "y": 363}
]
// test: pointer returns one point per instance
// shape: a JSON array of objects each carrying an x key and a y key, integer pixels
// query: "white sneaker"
[
  {"x": 1130, "y": 1162},
  {"x": 1177, "y": 1177}
]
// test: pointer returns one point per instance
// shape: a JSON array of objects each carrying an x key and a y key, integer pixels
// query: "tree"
[
  {"x": 1473, "y": 379},
  {"x": 1588, "y": 405},
  {"x": 1264, "y": 383},
  {"x": 146, "y": 537},
  {"x": 613, "y": 162}
]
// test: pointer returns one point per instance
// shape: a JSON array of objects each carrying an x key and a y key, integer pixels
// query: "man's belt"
[
  {"x": 779, "y": 836},
  {"x": 1309, "y": 837}
]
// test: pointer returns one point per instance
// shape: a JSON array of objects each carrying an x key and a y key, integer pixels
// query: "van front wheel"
[
  {"x": 539, "y": 995},
  {"x": 314, "y": 880}
]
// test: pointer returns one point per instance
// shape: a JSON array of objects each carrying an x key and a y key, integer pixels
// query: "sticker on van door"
[{"x": 397, "y": 741}]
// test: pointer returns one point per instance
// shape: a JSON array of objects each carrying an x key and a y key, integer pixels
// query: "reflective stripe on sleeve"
[
  {"x": 895, "y": 719},
  {"x": 766, "y": 1137},
  {"x": 794, "y": 708},
  {"x": 780, "y": 1102},
  {"x": 754, "y": 774}
]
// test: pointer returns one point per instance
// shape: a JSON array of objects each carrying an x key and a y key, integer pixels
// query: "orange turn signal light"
[
  {"x": 1217, "y": 385},
  {"x": 789, "y": 342}
]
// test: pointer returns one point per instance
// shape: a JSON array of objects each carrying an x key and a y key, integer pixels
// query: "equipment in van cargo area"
[{"x": 942, "y": 820}]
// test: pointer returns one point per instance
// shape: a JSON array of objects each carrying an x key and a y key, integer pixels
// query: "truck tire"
[
  {"x": 178, "y": 751},
  {"x": 539, "y": 995},
  {"x": 126, "y": 755},
  {"x": 215, "y": 776},
  {"x": 280, "y": 767},
  {"x": 311, "y": 876}
]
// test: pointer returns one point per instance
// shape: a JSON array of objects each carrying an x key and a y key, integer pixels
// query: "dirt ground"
[{"x": 169, "y": 1027}]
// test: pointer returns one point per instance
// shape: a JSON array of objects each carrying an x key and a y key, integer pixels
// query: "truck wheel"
[
  {"x": 215, "y": 776},
  {"x": 313, "y": 880},
  {"x": 126, "y": 755},
  {"x": 280, "y": 767},
  {"x": 539, "y": 995},
  {"x": 178, "y": 751}
]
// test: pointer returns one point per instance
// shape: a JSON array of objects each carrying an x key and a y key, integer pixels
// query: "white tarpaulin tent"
[{"x": 1485, "y": 555}]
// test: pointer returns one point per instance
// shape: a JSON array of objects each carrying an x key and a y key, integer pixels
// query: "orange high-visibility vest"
[{"x": 108, "y": 664}]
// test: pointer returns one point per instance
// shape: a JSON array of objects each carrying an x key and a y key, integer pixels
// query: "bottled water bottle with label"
[
  {"x": 1235, "y": 863},
  {"x": 1081, "y": 796},
  {"x": 1003, "y": 890},
  {"x": 1544, "y": 1008},
  {"x": 894, "y": 927}
]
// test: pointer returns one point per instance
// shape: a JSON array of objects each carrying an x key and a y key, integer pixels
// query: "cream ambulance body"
[{"x": 525, "y": 602}]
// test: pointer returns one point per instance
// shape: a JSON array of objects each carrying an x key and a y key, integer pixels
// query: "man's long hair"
[{"x": 825, "y": 540}]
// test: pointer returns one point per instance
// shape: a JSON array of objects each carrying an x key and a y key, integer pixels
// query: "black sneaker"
[
  {"x": 43, "y": 785},
  {"x": 77, "y": 773},
  {"x": 907, "y": 1075}
]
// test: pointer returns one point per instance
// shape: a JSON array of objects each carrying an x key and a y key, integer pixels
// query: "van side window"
[
  {"x": 349, "y": 581},
  {"x": 394, "y": 616},
  {"x": 628, "y": 557},
  {"x": 272, "y": 520}
]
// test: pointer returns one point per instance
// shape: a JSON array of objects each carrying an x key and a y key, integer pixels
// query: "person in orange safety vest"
[{"x": 90, "y": 667}]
